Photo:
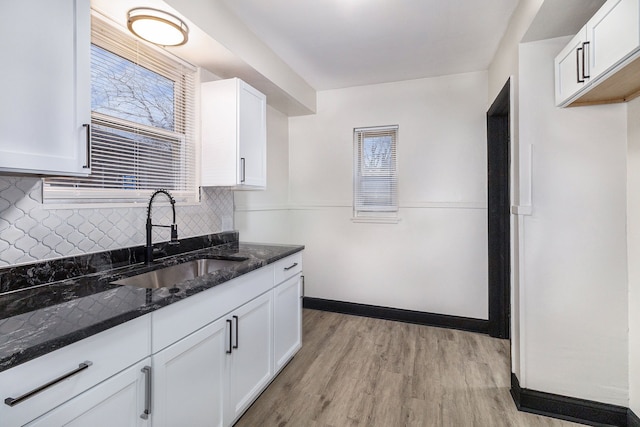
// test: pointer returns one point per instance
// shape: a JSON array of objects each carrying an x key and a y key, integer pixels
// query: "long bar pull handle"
[
  {"x": 291, "y": 266},
  {"x": 236, "y": 346},
  {"x": 147, "y": 392},
  {"x": 243, "y": 166},
  {"x": 230, "y": 336},
  {"x": 87, "y": 164},
  {"x": 14, "y": 401},
  {"x": 302, "y": 278},
  {"x": 585, "y": 51},
  {"x": 579, "y": 57}
]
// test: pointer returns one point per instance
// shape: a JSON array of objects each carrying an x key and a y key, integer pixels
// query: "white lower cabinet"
[
  {"x": 250, "y": 362},
  {"x": 189, "y": 379},
  {"x": 600, "y": 64},
  {"x": 199, "y": 362},
  {"x": 119, "y": 401},
  {"x": 79, "y": 379},
  {"x": 210, "y": 377},
  {"x": 287, "y": 322}
]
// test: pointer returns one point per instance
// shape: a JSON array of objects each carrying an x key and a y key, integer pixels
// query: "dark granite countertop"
[{"x": 48, "y": 305}]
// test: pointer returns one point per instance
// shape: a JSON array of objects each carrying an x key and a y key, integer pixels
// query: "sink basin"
[{"x": 170, "y": 276}]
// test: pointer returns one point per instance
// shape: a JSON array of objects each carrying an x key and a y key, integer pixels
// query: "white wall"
[
  {"x": 574, "y": 295},
  {"x": 505, "y": 61},
  {"x": 263, "y": 216},
  {"x": 435, "y": 259},
  {"x": 633, "y": 241}
]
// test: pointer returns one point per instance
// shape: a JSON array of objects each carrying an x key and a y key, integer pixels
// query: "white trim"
[
  {"x": 134, "y": 204},
  {"x": 376, "y": 220},
  {"x": 377, "y": 128},
  {"x": 522, "y": 210},
  {"x": 321, "y": 204},
  {"x": 259, "y": 208},
  {"x": 444, "y": 205},
  {"x": 522, "y": 333},
  {"x": 337, "y": 204}
]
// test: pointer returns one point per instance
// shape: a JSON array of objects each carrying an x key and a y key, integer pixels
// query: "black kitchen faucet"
[{"x": 148, "y": 259}]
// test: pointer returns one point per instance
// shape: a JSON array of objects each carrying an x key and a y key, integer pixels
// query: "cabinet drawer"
[
  {"x": 116, "y": 402},
  {"x": 109, "y": 352},
  {"x": 287, "y": 267},
  {"x": 180, "y": 319}
]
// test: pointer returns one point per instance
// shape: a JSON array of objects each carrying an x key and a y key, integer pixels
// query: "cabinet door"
[
  {"x": 119, "y": 401},
  {"x": 613, "y": 33},
  {"x": 569, "y": 68},
  {"x": 189, "y": 379},
  {"x": 287, "y": 321},
  {"x": 251, "y": 361},
  {"x": 252, "y": 136},
  {"x": 45, "y": 86}
]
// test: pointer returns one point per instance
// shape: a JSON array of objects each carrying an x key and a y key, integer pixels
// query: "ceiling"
[
  {"x": 341, "y": 43},
  {"x": 557, "y": 18}
]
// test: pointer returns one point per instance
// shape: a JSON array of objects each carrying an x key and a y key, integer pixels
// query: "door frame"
[{"x": 499, "y": 213}]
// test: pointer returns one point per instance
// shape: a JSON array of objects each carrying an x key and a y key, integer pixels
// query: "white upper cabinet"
[
  {"x": 46, "y": 101},
  {"x": 613, "y": 33},
  {"x": 601, "y": 63},
  {"x": 234, "y": 135},
  {"x": 570, "y": 67}
]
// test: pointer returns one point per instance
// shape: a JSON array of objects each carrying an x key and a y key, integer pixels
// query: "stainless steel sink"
[{"x": 170, "y": 276}]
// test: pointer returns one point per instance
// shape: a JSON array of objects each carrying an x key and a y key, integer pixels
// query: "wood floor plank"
[{"x": 358, "y": 371}]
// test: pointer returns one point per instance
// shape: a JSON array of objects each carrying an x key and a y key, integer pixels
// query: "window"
[
  {"x": 375, "y": 192},
  {"x": 142, "y": 123}
]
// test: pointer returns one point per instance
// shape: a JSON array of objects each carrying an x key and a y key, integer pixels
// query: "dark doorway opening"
[{"x": 499, "y": 205}]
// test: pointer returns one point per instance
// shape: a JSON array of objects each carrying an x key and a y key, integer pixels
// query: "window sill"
[{"x": 374, "y": 220}]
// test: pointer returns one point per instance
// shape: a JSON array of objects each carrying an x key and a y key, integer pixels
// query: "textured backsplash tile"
[{"x": 31, "y": 232}]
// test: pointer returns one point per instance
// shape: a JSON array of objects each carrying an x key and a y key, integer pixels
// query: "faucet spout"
[{"x": 150, "y": 225}]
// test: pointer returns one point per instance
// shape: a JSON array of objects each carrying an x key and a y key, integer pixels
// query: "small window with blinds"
[
  {"x": 375, "y": 192},
  {"x": 142, "y": 124}
]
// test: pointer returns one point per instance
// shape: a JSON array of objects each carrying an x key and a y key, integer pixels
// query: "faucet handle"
[{"x": 174, "y": 234}]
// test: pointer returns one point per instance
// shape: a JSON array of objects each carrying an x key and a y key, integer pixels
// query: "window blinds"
[
  {"x": 375, "y": 171},
  {"x": 142, "y": 123}
]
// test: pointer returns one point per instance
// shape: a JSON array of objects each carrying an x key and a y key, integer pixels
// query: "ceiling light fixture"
[{"x": 157, "y": 27}]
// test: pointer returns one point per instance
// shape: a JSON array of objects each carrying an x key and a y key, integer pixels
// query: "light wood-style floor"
[{"x": 357, "y": 371}]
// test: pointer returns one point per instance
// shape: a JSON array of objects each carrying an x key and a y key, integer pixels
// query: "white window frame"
[
  {"x": 54, "y": 194},
  {"x": 365, "y": 206}
]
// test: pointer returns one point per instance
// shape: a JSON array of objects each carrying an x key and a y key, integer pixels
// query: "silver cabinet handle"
[
  {"x": 147, "y": 392},
  {"x": 243, "y": 165},
  {"x": 291, "y": 266},
  {"x": 14, "y": 401},
  {"x": 302, "y": 278}
]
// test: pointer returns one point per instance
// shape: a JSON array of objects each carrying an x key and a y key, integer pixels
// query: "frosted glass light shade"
[{"x": 157, "y": 27}]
